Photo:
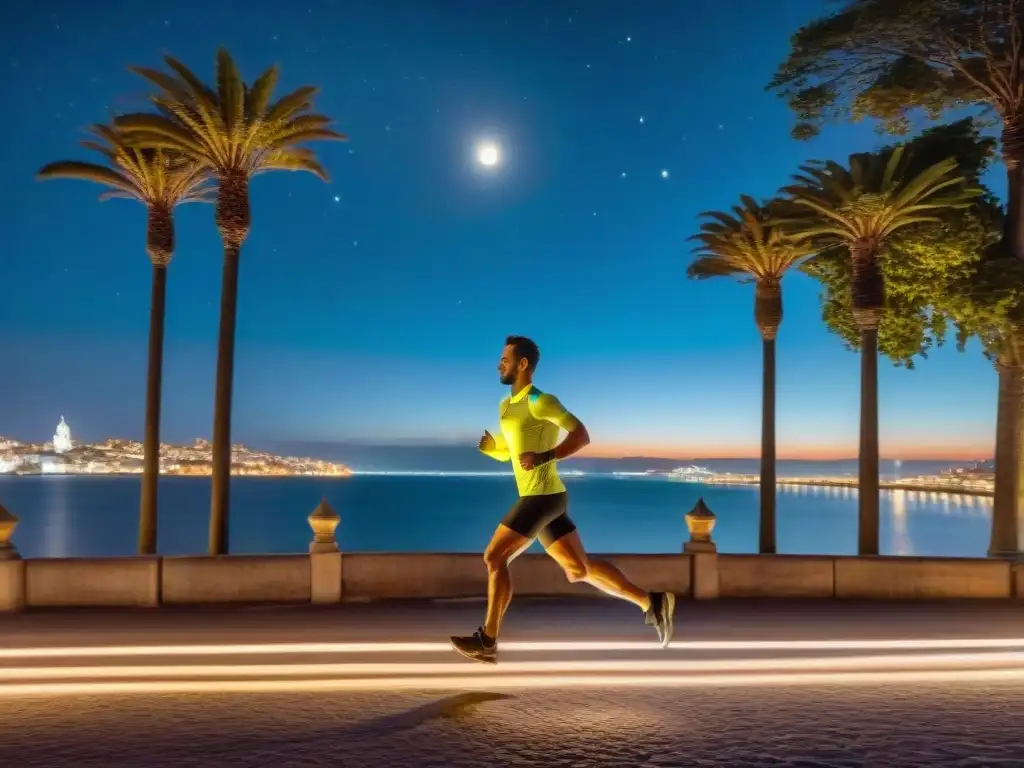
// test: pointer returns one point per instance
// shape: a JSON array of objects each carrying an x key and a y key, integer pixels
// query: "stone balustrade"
[{"x": 326, "y": 575}]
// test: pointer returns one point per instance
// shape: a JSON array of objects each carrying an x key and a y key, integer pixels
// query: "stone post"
[
  {"x": 12, "y": 567},
  {"x": 700, "y": 521},
  {"x": 324, "y": 555}
]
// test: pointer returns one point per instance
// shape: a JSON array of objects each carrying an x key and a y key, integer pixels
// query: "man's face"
[{"x": 508, "y": 366}]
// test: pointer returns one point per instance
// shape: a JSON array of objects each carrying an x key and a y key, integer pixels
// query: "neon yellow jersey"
[{"x": 530, "y": 421}]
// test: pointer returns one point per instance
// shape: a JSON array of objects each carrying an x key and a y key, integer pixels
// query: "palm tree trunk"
[
  {"x": 867, "y": 495},
  {"x": 768, "y": 316},
  {"x": 868, "y": 290},
  {"x": 1007, "y": 538},
  {"x": 1013, "y": 152},
  {"x": 1008, "y": 504},
  {"x": 220, "y": 493},
  {"x": 154, "y": 380},
  {"x": 233, "y": 220},
  {"x": 767, "y": 544},
  {"x": 160, "y": 247}
]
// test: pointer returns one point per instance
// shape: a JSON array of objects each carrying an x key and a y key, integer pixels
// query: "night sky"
[{"x": 375, "y": 307}]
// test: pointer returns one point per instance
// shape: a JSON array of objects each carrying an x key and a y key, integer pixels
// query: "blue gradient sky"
[{"x": 381, "y": 315}]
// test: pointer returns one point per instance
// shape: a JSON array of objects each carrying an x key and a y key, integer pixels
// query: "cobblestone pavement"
[
  {"x": 923, "y": 725},
  {"x": 958, "y": 724}
]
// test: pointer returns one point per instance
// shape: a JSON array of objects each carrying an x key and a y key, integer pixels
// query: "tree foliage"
[
  {"x": 885, "y": 59},
  {"x": 744, "y": 244},
  {"x": 876, "y": 197},
  {"x": 924, "y": 264},
  {"x": 151, "y": 176},
  {"x": 235, "y": 128}
]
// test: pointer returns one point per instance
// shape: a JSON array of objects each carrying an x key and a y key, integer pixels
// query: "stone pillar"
[
  {"x": 324, "y": 555},
  {"x": 12, "y": 567},
  {"x": 702, "y": 551}
]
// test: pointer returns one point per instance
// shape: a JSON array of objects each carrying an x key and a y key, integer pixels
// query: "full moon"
[{"x": 487, "y": 154}]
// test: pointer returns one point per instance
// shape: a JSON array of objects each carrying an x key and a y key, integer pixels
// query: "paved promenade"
[{"x": 580, "y": 683}]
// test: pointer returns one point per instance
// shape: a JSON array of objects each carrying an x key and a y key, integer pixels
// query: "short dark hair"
[{"x": 524, "y": 347}]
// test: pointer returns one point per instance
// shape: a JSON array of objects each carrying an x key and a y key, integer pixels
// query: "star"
[
  {"x": 623, "y": 175},
  {"x": 355, "y": 243},
  {"x": 664, "y": 173},
  {"x": 337, "y": 198},
  {"x": 641, "y": 119},
  {"x": 629, "y": 39}
]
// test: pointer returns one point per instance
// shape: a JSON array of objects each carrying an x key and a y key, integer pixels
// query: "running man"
[{"x": 530, "y": 422}]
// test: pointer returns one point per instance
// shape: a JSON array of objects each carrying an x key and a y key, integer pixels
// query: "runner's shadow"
[{"x": 456, "y": 707}]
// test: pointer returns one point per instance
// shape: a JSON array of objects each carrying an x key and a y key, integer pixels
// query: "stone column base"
[
  {"x": 12, "y": 586},
  {"x": 704, "y": 575},
  {"x": 325, "y": 577}
]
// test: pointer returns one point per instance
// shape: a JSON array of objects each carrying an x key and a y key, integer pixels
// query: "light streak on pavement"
[
  {"x": 214, "y": 649},
  {"x": 906, "y": 661},
  {"x": 376, "y": 669},
  {"x": 489, "y": 682}
]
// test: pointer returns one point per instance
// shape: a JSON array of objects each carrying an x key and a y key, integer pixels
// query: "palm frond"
[
  {"x": 230, "y": 91},
  {"x": 157, "y": 131},
  {"x": 72, "y": 169},
  {"x": 293, "y": 159},
  {"x": 749, "y": 242},
  {"x": 152, "y": 176},
  {"x": 705, "y": 267},
  {"x": 232, "y": 128},
  {"x": 870, "y": 199},
  {"x": 258, "y": 97}
]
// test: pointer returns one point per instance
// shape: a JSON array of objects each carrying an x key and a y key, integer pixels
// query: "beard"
[{"x": 508, "y": 379}]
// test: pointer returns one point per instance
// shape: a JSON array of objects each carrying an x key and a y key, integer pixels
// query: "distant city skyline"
[
  {"x": 630, "y": 452},
  {"x": 375, "y": 307}
]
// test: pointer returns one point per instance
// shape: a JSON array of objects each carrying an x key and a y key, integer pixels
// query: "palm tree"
[
  {"x": 236, "y": 132},
  {"x": 858, "y": 209},
  {"x": 746, "y": 244},
  {"x": 159, "y": 180}
]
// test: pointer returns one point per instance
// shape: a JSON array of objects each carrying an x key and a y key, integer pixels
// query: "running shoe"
[
  {"x": 478, "y": 647},
  {"x": 661, "y": 616}
]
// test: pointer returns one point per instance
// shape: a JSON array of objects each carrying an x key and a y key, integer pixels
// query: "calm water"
[{"x": 97, "y": 516}]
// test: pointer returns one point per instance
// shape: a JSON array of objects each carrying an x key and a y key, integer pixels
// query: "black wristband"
[{"x": 545, "y": 457}]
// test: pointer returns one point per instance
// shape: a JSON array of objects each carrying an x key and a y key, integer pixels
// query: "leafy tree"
[
  {"x": 918, "y": 263},
  {"x": 236, "y": 132},
  {"x": 988, "y": 304},
  {"x": 885, "y": 60},
  {"x": 159, "y": 180},
  {"x": 956, "y": 271},
  {"x": 857, "y": 210},
  {"x": 745, "y": 244}
]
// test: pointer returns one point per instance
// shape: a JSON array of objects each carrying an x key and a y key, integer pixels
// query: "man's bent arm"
[
  {"x": 500, "y": 450},
  {"x": 549, "y": 408},
  {"x": 575, "y": 441}
]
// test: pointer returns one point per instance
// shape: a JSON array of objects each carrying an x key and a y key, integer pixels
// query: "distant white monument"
[{"x": 62, "y": 440}]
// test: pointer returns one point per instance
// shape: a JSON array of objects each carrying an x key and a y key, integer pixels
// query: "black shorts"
[{"x": 541, "y": 517}]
